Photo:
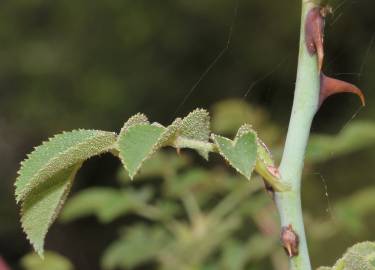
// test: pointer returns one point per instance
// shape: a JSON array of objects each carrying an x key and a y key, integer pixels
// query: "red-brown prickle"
[
  {"x": 330, "y": 86},
  {"x": 290, "y": 240},
  {"x": 274, "y": 171},
  {"x": 314, "y": 32}
]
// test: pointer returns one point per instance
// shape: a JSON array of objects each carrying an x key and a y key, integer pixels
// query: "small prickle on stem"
[{"x": 290, "y": 240}]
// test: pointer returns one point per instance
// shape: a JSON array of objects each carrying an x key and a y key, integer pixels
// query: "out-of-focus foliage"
[
  {"x": 197, "y": 217},
  {"x": 107, "y": 203},
  {"x": 353, "y": 210},
  {"x": 349, "y": 215},
  {"x": 359, "y": 257},
  {"x": 230, "y": 114},
  {"x": 188, "y": 226},
  {"x": 135, "y": 246},
  {"x": 355, "y": 136},
  {"x": 51, "y": 261}
]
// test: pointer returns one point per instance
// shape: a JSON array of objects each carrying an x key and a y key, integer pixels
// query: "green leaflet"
[
  {"x": 241, "y": 153},
  {"x": 51, "y": 261},
  {"x": 136, "y": 144},
  {"x": 264, "y": 165},
  {"x": 196, "y": 126},
  {"x": 359, "y": 257},
  {"x": 46, "y": 176},
  {"x": 137, "y": 119},
  {"x": 41, "y": 206},
  {"x": 60, "y": 152},
  {"x": 139, "y": 140}
]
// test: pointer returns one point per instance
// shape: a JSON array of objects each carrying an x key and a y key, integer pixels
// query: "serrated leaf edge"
[
  {"x": 153, "y": 149},
  {"x": 57, "y": 211},
  {"x": 134, "y": 120},
  {"x": 233, "y": 143},
  {"x": 30, "y": 185}
]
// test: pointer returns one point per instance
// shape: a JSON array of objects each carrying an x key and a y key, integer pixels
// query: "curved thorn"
[{"x": 330, "y": 86}]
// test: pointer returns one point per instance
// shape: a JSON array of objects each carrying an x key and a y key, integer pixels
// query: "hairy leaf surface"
[
  {"x": 137, "y": 119},
  {"x": 60, "y": 152},
  {"x": 42, "y": 205},
  {"x": 241, "y": 153},
  {"x": 137, "y": 144},
  {"x": 196, "y": 126}
]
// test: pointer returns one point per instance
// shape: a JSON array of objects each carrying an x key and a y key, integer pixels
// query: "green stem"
[
  {"x": 260, "y": 167},
  {"x": 305, "y": 105},
  {"x": 181, "y": 142}
]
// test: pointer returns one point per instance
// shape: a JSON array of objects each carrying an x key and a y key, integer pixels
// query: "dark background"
[{"x": 92, "y": 64}]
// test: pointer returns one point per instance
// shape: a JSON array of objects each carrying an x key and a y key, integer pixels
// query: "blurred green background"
[{"x": 92, "y": 64}]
